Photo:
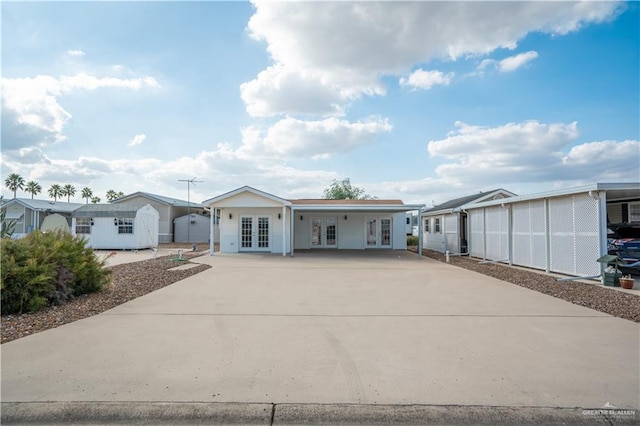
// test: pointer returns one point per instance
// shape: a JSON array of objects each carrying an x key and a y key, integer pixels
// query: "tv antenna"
[{"x": 189, "y": 182}]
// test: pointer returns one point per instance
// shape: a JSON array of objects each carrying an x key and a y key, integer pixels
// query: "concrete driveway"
[{"x": 381, "y": 328}]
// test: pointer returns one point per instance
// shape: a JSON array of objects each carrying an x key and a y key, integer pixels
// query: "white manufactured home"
[
  {"x": 117, "y": 226},
  {"x": 26, "y": 215},
  {"x": 445, "y": 226},
  {"x": 255, "y": 221}
]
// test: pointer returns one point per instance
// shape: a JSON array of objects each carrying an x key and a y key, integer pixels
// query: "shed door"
[{"x": 254, "y": 233}]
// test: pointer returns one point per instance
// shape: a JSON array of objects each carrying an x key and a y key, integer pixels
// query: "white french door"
[
  {"x": 254, "y": 233},
  {"x": 378, "y": 232},
  {"x": 324, "y": 232}
]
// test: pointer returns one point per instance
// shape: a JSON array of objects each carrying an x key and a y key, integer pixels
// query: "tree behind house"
[
  {"x": 343, "y": 190},
  {"x": 14, "y": 182}
]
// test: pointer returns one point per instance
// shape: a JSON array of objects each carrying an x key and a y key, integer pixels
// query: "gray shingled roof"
[
  {"x": 459, "y": 202},
  {"x": 108, "y": 210},
  {"x": 42, "y": 205},
  {"x": 160, "y": 198}
]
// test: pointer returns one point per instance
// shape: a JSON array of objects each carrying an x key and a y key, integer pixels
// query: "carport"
[{"x": 563, "y": 231}]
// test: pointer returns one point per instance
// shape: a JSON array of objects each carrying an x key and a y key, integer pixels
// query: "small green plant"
[
  {"x": 47, "y": 269},
  {"x": 412, "y": 240},
  {"x": 8, "y": 226}
]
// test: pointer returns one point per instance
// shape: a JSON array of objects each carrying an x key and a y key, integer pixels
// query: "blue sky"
[{"x": 422, "y": 101}]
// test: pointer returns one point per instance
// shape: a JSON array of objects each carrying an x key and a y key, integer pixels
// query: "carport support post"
[
  {"x": 291, "y": 238},
  {"x": 212, "y": 231},
  {"x": 284, "y": 230},
  {"x": 420, "y": 232}
]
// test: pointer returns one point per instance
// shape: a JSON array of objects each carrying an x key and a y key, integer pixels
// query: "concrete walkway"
[{"x": 322, "y": 334}]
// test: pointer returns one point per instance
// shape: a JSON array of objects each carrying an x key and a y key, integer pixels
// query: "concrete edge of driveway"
[{"x": 189, "y": 413}]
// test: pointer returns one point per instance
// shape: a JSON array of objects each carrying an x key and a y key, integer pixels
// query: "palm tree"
[
  {"x": 95, "y": 200},
  {"x": 32, "y": 187},
  {"x": 14, "y": 182},
  {"x": 69, "y": 190},
  {"x": 113, "y": 195},
  {"x": 55, "y": 191},
  {"x": 87, "y": 193}
]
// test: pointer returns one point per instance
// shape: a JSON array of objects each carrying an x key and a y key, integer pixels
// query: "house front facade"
[{"x": 255, "y": 221}]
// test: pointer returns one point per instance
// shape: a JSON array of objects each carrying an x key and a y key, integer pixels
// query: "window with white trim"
[
  {"x": 83, "y": 225},
  {"x": 436, "y": 225},
  {"x": 125, "y": 226},
  {"x": 426, "y": 225}
]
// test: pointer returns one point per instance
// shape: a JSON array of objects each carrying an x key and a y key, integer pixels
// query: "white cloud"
[
  {"x": 75, "y": 52},
  {"x": 137, "y": 140},
  {"x": 31, "y": 113},
  {"x": 529, "y": 152},
  {"x": 512, "y": 63},
  {"x": 278, "y": 90},
  {"x": 346, "y": 47},
  {"x": 295, "y": 138},
  {"x": 421, "y": 79}
]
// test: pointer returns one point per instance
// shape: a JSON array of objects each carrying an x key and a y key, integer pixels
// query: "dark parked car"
[{"x": 624, "y": 240}]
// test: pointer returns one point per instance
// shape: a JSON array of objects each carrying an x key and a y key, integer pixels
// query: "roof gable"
[
  {"x": 470, "y": 199},
  {"x": 246, "y": 196},
  {"x": 169, "y": 201}
]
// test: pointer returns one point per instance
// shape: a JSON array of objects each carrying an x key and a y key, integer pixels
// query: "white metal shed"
[{"x": 117, "y": 226}]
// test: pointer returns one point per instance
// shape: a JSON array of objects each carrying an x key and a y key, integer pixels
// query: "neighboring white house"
[
  {"x": 445, "y": 226},
  {"x": 563, "y": 231},
  {"x": 168, "y": 208},
  {"x": 193, "y": 228},
  {"x": 253, "y": 220},
  {"x": 28, "y": 214},
  {"x": 117, "y": 226}
]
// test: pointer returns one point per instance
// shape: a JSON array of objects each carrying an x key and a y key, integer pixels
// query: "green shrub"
[
  {"x": 47, "y": 269},
  {"x": 412, "y": 240}
]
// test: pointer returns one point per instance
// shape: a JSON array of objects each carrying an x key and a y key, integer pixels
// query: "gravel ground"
[
  {"x": 132, "y": 280},
  {"x": 129, "y": 281},
  {"x": 597, "y": 297}
]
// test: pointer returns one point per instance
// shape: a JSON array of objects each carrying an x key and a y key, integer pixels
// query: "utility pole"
[{"x": 189, "y": 182}]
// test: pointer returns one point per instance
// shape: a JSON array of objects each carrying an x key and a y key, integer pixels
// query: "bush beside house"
[{"x": 45, "y": 269}]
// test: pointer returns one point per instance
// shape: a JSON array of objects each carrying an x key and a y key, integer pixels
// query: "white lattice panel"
[
  {"x": 476, "y": 226},
  {"x": 497, "y": 233},
  {"x": 529, "y": 243},
  {"x": 573, "y": 234}
]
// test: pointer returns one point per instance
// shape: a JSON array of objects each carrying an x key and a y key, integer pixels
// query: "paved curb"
[{"x": 188, "y": 413}]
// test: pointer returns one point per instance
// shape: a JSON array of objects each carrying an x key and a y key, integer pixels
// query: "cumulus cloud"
[
  {"x": 512, "y": 63},
  {"x": 137, "y": 140},
  {"x": 31, "y": 113},
  {"x": 75, "y": 52},
  {"x": 295, "y": 138},
  {"x": 421, "y": 79},
  {"x": 529, "y": 152},
  {"x": 507, "y": 64},
  {"x": 346, "y": 47}
]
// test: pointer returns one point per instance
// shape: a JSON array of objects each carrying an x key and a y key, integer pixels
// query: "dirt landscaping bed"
[
  {"x": 594, "y": 296},
  {"x": 129, "y": 281}
]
